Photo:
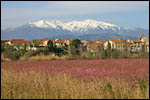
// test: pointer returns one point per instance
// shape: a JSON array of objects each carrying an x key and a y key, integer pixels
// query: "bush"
[
  {"x": 11, "y": 55},
  {"x": 29, "y": 54}
]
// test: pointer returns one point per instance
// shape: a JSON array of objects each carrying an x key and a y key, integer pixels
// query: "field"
[{"x": 76, "y": 79}]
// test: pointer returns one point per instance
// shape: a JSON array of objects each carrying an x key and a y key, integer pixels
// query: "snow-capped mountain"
[
  {"x": 74, "y": 26},
  {"x": 85, "y": 29}
]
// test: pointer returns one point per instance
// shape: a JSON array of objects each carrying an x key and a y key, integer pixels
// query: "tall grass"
[
  {"x": 37, "y": 85},
  {"x": 4, "y": 58},
  {"x": 44, "y": 57}
]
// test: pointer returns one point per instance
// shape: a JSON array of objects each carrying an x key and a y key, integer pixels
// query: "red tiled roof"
[
  {"x": 90, "y": 42},
  {"x": 68, "y": 40},
  {"x": 42, "y": 41},
  {"x": 4, "y": 41},
  {"x": 117, "y": 40},
  {"x": 134, "y": 41},
  {"x": 20, "y": 41},
  {"x": 59, "y": 41},
  {"x": 94, "y": 43},
  {"x": 100, "y": 42},
  {"x": 137, "y": 41}
]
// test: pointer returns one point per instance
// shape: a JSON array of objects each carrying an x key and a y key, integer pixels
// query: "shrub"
[
  {"x": 3, "y": 58},
  {"x": 29, "y": 54},
  {"x": 11, "y": 55}
]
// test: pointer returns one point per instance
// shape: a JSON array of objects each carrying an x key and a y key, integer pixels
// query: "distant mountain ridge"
[{"x": 86, "y": 29}]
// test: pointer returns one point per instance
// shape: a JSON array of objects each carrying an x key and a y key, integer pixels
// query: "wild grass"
[
  {"x": 42, "y": 57},
  {"x": 4, "y": 59},
  {"x": 38, "y": 85}
]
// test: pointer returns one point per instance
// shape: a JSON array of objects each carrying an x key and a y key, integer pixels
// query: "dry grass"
[
  {"x": 42, "y": 57},
  {"x": 4, "y": 59},
  {"x": 37, "y": 85}
]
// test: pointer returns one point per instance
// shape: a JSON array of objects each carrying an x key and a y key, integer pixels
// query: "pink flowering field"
[
  {"x": 76, "y": 79},
  {"x": 85, "y": 69}
]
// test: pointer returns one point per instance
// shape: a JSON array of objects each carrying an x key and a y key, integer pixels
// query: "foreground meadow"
[{"x": 76, "y": 79}]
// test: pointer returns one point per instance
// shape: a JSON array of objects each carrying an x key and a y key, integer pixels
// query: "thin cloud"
[
  {"x": 43, "y": 9},
  {"x": 65, "y": 8}
]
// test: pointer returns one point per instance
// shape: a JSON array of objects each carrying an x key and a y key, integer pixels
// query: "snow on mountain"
[
  {"x": 76, "y": 26},
  {"x": 86, "y": 29}
]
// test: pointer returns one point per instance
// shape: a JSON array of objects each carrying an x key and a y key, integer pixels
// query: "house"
[
  {"x": 88, "y": 44},
  {"x": 95, "y": 46},
  {"x": 59, "y": 43},
  {"x": 5, "y": 41},
  {"x": 19, "y": 41},
  {"x": 100, "y": 42},
  {"x": 116, "y": 44},
  {"x": 85, "y": 42},
  {"x": 135, "y": 45},
  {"x": 147, "y": 48},
  {"x": 43, "y": 43},
  {"x": 68, "y": 41},
  {"x": 20, "y": 44},
  {"x": 144, "y": 39}
]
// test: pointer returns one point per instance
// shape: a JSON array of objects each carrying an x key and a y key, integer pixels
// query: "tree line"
[{"x": 75, "y": 50}]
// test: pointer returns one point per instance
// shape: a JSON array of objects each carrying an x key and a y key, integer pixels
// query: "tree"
[
  {"x": 108, "y": 51},
  {"x": 2, "y": 47},
  {"x": 59, "y": 51},
  {"x": 49, "y": 47},
  {"x": 143, "y": 49},
  {"x": 76, "y": 43},
  {"x": 35, "y": 43},
  {"x": 9, "y": 47},
  {"x": 75, "y": 47},
  {"x": 101, "y": 51}
]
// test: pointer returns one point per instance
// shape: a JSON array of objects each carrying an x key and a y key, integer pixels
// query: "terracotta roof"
[
  {"x": 68, "y": 40},
  {"x": 129, "y": 42},
  {"x": 20, "y": 41},
  {"x": 90, "y": 42},
  {"x": 100, "y": 42},
  {"x": 94, "y": 43},
  {"x": 117, "y": 40},
  {"x": 59, "y": 41},
  {"x": 42, "y": 41},
  {"x": 137, "y": 41},
  {"x": 4, "y": 41}
]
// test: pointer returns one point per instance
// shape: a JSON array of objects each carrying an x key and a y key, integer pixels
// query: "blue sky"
[{"x": 121, "y": 13}]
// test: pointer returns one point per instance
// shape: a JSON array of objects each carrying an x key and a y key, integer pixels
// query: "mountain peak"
[
  {"x": 89, "y": 28},
  {"x": 78, "y": 26}
]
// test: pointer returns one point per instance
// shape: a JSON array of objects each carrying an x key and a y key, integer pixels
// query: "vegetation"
[
  {"x": 75, "y": 50},
  {"x": 37, "y": 85}
]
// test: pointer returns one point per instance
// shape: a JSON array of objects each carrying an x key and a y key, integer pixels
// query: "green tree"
[
  {"x": 75, "y": 47},
  {"x": 101, "y": 51},
  {"x": 9, "y": 47},
  {"x": 35, "y": 43},
  {"x": 143, "y": 50},
  {"x": 76, "y": 43},
  {"x": 49, "y": 48},
  {"x": 59, "y": 51},
  {"x": 108, "y": 50},
  {"x": 2, "y": 47}
]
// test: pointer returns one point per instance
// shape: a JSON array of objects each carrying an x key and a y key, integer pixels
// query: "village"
[{"x": 90, "y": 46}]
